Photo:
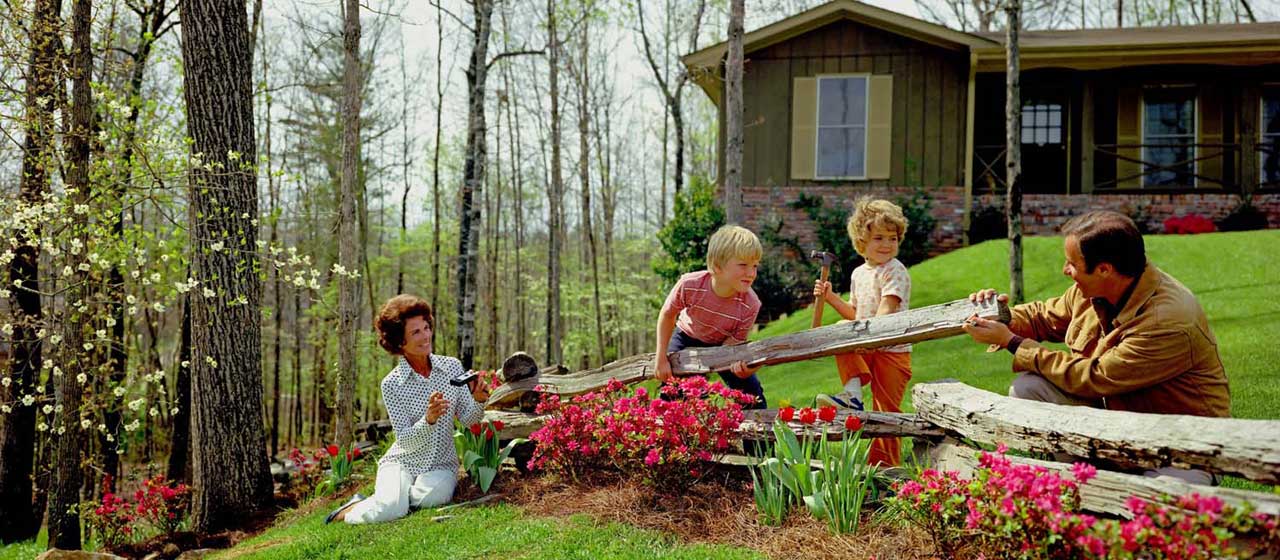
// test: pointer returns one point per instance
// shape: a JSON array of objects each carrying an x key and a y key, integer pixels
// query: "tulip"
[
  {"x": 827, "y": 413},
  {"x": 852, "y": 423},
  {"x": 786, "y": 414},
  {"x": 332, "y": 449},
  {"x": 807, "y": 415},
  {"x": 475, "y": 429},
  {"x": 497, "y": 425}
]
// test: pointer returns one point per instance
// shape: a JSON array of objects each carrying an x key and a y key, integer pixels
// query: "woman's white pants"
[{"x": 395, "y": 491}]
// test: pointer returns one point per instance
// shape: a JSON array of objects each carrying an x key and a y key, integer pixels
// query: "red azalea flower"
[
  {"x": 497, "y": 425},
  {"x": 355, "y": 452},
  {"x": 827, "y": 413},
  {"x": 332, "y": 449},
  {"x": 852, "y": 423},
  {"x": 475, "y": 429},
  {"x": 807, "y": 415},
  {"x": 787, "y": 414}
]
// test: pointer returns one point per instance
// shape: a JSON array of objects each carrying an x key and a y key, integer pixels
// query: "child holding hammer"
[{"x": 879, "y": 287}]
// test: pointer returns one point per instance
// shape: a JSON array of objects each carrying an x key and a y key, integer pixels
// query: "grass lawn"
[{"x": 1235, "y": 275}]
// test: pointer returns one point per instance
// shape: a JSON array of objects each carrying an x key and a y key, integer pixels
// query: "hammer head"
[{"x": 824, "y": 258}]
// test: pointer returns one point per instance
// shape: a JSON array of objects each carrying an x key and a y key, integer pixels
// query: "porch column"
[
  {"x": 1086, "y": 136},
  {"x": 968, "y": 150}
]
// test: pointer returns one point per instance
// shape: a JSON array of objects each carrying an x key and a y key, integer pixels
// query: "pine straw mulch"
[{"x": 718, "y": 509}]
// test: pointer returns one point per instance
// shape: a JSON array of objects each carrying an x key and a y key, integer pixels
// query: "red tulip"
[
  {"x": 497, "y": 425},
  {"x": 807, "y": 415},
  {"x": 475, "y": 429},
  {"x": 488, "y": 433},
  {"x": 332, "y": 449},
  {"x": 852, "y": 423},
  {"x": 787, "y": 414},
  {"x": 355, "y": 452},
  {"x": 827, "y": 413}
]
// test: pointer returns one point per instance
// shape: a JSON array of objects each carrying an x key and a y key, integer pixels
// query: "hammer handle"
[{"x": 819, "y": 303}]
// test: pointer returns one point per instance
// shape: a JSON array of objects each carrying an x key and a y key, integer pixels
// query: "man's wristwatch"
[{"x": 1014, "y": 343}]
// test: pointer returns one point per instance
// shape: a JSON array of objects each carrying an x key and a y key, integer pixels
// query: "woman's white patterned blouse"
[{"x": 419, "y": 446}]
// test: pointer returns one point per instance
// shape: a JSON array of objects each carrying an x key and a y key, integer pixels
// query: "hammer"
[{"x": 826, "y": 259}]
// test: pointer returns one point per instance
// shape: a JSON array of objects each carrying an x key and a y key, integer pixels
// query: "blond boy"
[
  {"x": 715, "y": 307},
  {"x": 879, "y": 287}
]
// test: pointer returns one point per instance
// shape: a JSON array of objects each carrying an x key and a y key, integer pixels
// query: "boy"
[
  {"x": 715, "y": 307},
  {"x": 879, "y": 287}
]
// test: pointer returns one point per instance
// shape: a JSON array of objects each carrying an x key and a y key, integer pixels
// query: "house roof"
[
  {"x": 1086, "y": 49},
  {"x": 702, "y": 64},
  {"x": 1093, "y": 49}
]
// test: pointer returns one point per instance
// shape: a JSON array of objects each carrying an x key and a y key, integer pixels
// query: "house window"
[
  {"x": 1269, "y": 151},
  {"x": 1041, "y": 123},
  {"x": 1169, "y": 137},
  {"x": 842, "y": 127}
]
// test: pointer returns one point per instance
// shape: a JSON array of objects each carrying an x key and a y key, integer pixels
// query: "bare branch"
[
  {"x": 513, "y": 53},
  {"x": 435, "y": 4}
]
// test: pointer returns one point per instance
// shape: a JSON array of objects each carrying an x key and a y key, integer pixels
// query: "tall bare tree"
[
  {"x": 473, "y": 177},
  {"x": 671, "y": 93},
  {"x": 349, "y": 246},
  {"x": 68, "y": 450},
  {"x": 230, "y": 472},
  {"x": 1013, "y": 147},
  {"x": 555, "y": 197},
  {"x": 733, "y": 117},
  {"x": 583, "y": 74},
  {"x": 18, "y": 431}
]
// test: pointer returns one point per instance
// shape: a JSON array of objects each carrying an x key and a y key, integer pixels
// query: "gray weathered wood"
[
  {"x": 915, "y": 325},
  {"x": 926, "y": 323},
  {"x": 1247, "y": 448},
  {"x": 1107, "y": 492}
]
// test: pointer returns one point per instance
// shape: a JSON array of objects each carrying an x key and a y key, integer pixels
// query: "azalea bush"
[
  {"x": 1190, "y": 223},
  {"x": 663, "y": 442},
  {"x": 158, "y": 507},
  {"x": 478, "y": 449},
  {"x": 1013, "y": 510},
  {"x": 307, "y": 472},
  {"x": 341, "y": 463}
]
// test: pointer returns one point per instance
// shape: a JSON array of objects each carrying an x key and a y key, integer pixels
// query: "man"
[{"x": 1138, "y": 339}]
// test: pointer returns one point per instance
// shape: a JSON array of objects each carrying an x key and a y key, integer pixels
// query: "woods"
[{"x": 204, "y": 203}]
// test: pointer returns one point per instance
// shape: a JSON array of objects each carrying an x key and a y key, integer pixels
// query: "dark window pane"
[
  {"x": 1270, "y": 155},
  {"x": 1169, "y": 165},
  {"x": 1271, "y": 114},
  {"x": 842, "y": 101},
  {"x": 841, "y": 152},
  {"x": 1169, "y": 112}
]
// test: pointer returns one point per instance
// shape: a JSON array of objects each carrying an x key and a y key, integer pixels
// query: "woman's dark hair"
[
  {"x": 394, "y": 314},
  {"x": 1110, "y": 237}
]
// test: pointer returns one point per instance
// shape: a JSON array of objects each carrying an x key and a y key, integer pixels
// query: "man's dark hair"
[{"x": 1110, "y": 237}]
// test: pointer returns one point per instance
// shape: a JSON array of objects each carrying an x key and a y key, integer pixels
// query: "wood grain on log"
[
  {"x": 1247, "y": 448},
  {"x": 926, "y": 323},
  {"x": 1107, "y": 492},
  {"x": 915, "y": 325}
]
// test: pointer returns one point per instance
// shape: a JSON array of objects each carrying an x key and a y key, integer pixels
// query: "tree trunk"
[
  {"x": 584, "y": 165},
  {"x": 473, "y": 176},
  {"x": 180, "y": 452},
  {"x": 555, "y": 198},
  {"x": 435, "y": 170},
  {"x": 231, "y": 477},
  {"x": 733, "y": 118},
  {"x": 18, "y": 430},
  {"x": 517, "y": 202},
  {"x": 295, "y": 429},
  {"x": 348, "y": 244},
  {"x": 276, "y": 285},
  {"x": 69, "y": 449},
  {"x": 1013, "y": 150},
  {"x": 406, "y": 161}
]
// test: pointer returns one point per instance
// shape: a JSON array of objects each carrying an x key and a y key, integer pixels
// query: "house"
[{"x": 848, "y": 99}]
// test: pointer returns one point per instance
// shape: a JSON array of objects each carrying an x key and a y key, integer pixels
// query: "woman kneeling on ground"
[{"x": 421, "y": 468}]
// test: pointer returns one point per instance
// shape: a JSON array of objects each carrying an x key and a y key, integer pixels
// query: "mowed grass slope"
[{"x": 1236, "y": 277}]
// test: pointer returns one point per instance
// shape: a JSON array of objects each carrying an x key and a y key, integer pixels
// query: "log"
[
  {"x": 914, "y": 325},
  {"x": 1130, "y": 440},
  {"x": 1107, "y": 492},
  {"x": 926, "y": 323},
  {"x": 756, "y": 424}
]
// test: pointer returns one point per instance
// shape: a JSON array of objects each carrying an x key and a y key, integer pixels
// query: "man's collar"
[{"x": 1137, "y": 294}]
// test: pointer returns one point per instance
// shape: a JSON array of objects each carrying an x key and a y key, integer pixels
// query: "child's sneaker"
[{"x": 842, "y": 400}]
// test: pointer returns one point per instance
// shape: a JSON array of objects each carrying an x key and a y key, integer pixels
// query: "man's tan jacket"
[{"x": 1156, "y": 355}]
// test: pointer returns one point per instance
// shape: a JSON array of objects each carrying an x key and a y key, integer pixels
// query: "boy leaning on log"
[
  {"x": 715, "y": 307},
  {"x": 1138, "y": 339}
]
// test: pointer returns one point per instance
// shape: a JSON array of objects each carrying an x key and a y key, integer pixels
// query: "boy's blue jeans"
[{"x": 750, "y": 385}]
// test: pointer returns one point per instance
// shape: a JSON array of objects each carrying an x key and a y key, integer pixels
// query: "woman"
[{"x": 421, "y": 468}]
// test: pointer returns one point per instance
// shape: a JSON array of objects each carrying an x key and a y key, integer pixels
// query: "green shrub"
[
  {"x": 921, "y": 223},
  {"x": 987, "y": 222},
  {"x": 684, "y": 238},
  {"x": 1244, "y": 217}
]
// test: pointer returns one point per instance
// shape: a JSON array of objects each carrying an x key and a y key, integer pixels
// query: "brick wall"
[{"x": 1042, "y": 213}]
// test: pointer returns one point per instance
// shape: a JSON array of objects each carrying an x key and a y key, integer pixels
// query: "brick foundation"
[{"x": 1042, "y": 213}]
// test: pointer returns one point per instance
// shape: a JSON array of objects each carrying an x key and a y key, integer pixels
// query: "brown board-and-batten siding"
[{"x": 928, "y": 102}]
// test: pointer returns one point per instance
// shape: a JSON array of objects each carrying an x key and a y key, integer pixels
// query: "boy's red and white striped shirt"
[{"x": 707, "y": 316}]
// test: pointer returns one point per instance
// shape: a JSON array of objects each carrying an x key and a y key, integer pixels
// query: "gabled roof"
[
  {"x": 1091, "y": 49},
  {"x": 701, "y": 64}
]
